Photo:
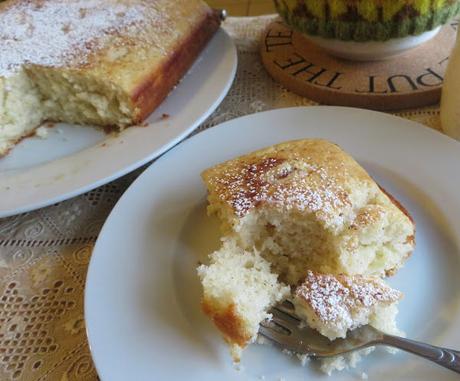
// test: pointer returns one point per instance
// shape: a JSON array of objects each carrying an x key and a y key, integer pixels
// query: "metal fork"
[{"x": 285, "y": 330}]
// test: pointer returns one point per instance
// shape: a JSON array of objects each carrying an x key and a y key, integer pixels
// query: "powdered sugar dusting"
[
  {"x": 55, "y": 33},
  {"x": 291, "y": 183},
  {"x": 338, "y": 298}
]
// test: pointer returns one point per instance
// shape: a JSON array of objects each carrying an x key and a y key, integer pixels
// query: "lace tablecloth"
[{"x": 44, "y": 254}]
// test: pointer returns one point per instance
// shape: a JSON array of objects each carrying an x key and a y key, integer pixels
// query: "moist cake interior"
[
  {"x": 240, "y": 286},
  {"x": 107, "y": 63},
  {"x": 53, "y": 36}
]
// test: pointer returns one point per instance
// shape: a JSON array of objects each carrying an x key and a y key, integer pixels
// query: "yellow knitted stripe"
[
  {"x": 423, "y": 6},
  {"x": 368, "y": 10},
  {"x": 317, "y": 8},
  {"x": 437, "y": 4},
  {"x": 391, "y": 8},
  {"x": 290, "y": 4},
  {"x": 337, "y": 8}
]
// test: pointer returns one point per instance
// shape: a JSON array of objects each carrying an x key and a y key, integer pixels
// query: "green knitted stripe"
[{"x": 365, "y": 31}]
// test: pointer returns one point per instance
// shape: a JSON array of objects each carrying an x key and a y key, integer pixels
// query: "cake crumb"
[
  {"x": 165, "y": 116},
  {"x": 303, "y": 324},
  {"x": 42, "y": 132},
  {"x": 261, "y": 340},
  {"x": 303, "y": 359},
  {"x": 238, "y": 367}
]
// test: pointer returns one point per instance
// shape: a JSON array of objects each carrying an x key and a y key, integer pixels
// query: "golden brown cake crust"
[
  {"x": 263, "y": 177},
  {"x": 148, "y": 95},
  {"x": 397, "y": 204},
  {"x": 411, "y": 238},
  {"x": 228, "y": 322},
  {"x": 311, "y": 175}
]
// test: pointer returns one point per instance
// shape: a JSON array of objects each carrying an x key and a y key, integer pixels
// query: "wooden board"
[{"x": 412, "y": 79}]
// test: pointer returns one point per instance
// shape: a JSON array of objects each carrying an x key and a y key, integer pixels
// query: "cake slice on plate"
[
  {"x": 307, "y": 204},
  {"x": 302, "y": 220}
]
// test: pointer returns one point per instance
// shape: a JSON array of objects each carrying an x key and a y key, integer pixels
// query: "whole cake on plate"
[
  {"x": 101, "y": 62},
  {"x": 302, "y": 220}
]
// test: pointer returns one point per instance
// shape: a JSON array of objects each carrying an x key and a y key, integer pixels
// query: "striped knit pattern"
[{"x": 366, "y": 20}]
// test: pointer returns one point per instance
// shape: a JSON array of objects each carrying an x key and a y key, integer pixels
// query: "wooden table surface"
[{"x": 244, "y": 7}]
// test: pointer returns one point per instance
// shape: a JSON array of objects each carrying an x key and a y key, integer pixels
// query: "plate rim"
[
  {"x": 202, "y": 135},
  {"x": 87, "y": 185}
]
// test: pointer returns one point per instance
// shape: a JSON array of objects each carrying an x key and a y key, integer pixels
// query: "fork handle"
[{"x": 448, "y": 358}]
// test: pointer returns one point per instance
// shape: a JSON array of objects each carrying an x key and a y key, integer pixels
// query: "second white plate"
[
  {"x": 75, "y": 159},
  {"x": 142, "y": 301}
]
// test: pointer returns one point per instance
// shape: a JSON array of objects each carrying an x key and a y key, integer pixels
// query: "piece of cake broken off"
[
  {"x": 239, "y": 288},
  {"x": 334, "y": 305}
]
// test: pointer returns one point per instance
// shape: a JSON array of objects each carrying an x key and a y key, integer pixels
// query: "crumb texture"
[
  {"x": 239, "y": 288},
  {"x": 307, "y": 204},
  {"x": 99, "y": 62},
  {"x": 303, "y": 219},
  {"x": 336, "y": 304}
]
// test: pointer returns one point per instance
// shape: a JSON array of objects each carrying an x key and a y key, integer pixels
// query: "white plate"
[
  {"x": 76, "y": 159},
  {"x": 142, "y": 295}
]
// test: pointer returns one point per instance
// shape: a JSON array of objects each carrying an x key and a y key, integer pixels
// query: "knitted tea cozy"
[{"x": 366, "y": 20}]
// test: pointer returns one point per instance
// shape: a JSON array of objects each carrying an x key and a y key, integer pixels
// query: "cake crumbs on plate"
[
  {"x": 303, "y": 359},
  {"x": 261, "y": 340},
  {"x": 238, "y": 367},
  {"x": 165, "y": 116},
  {"x": 42, "y": 132}
]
